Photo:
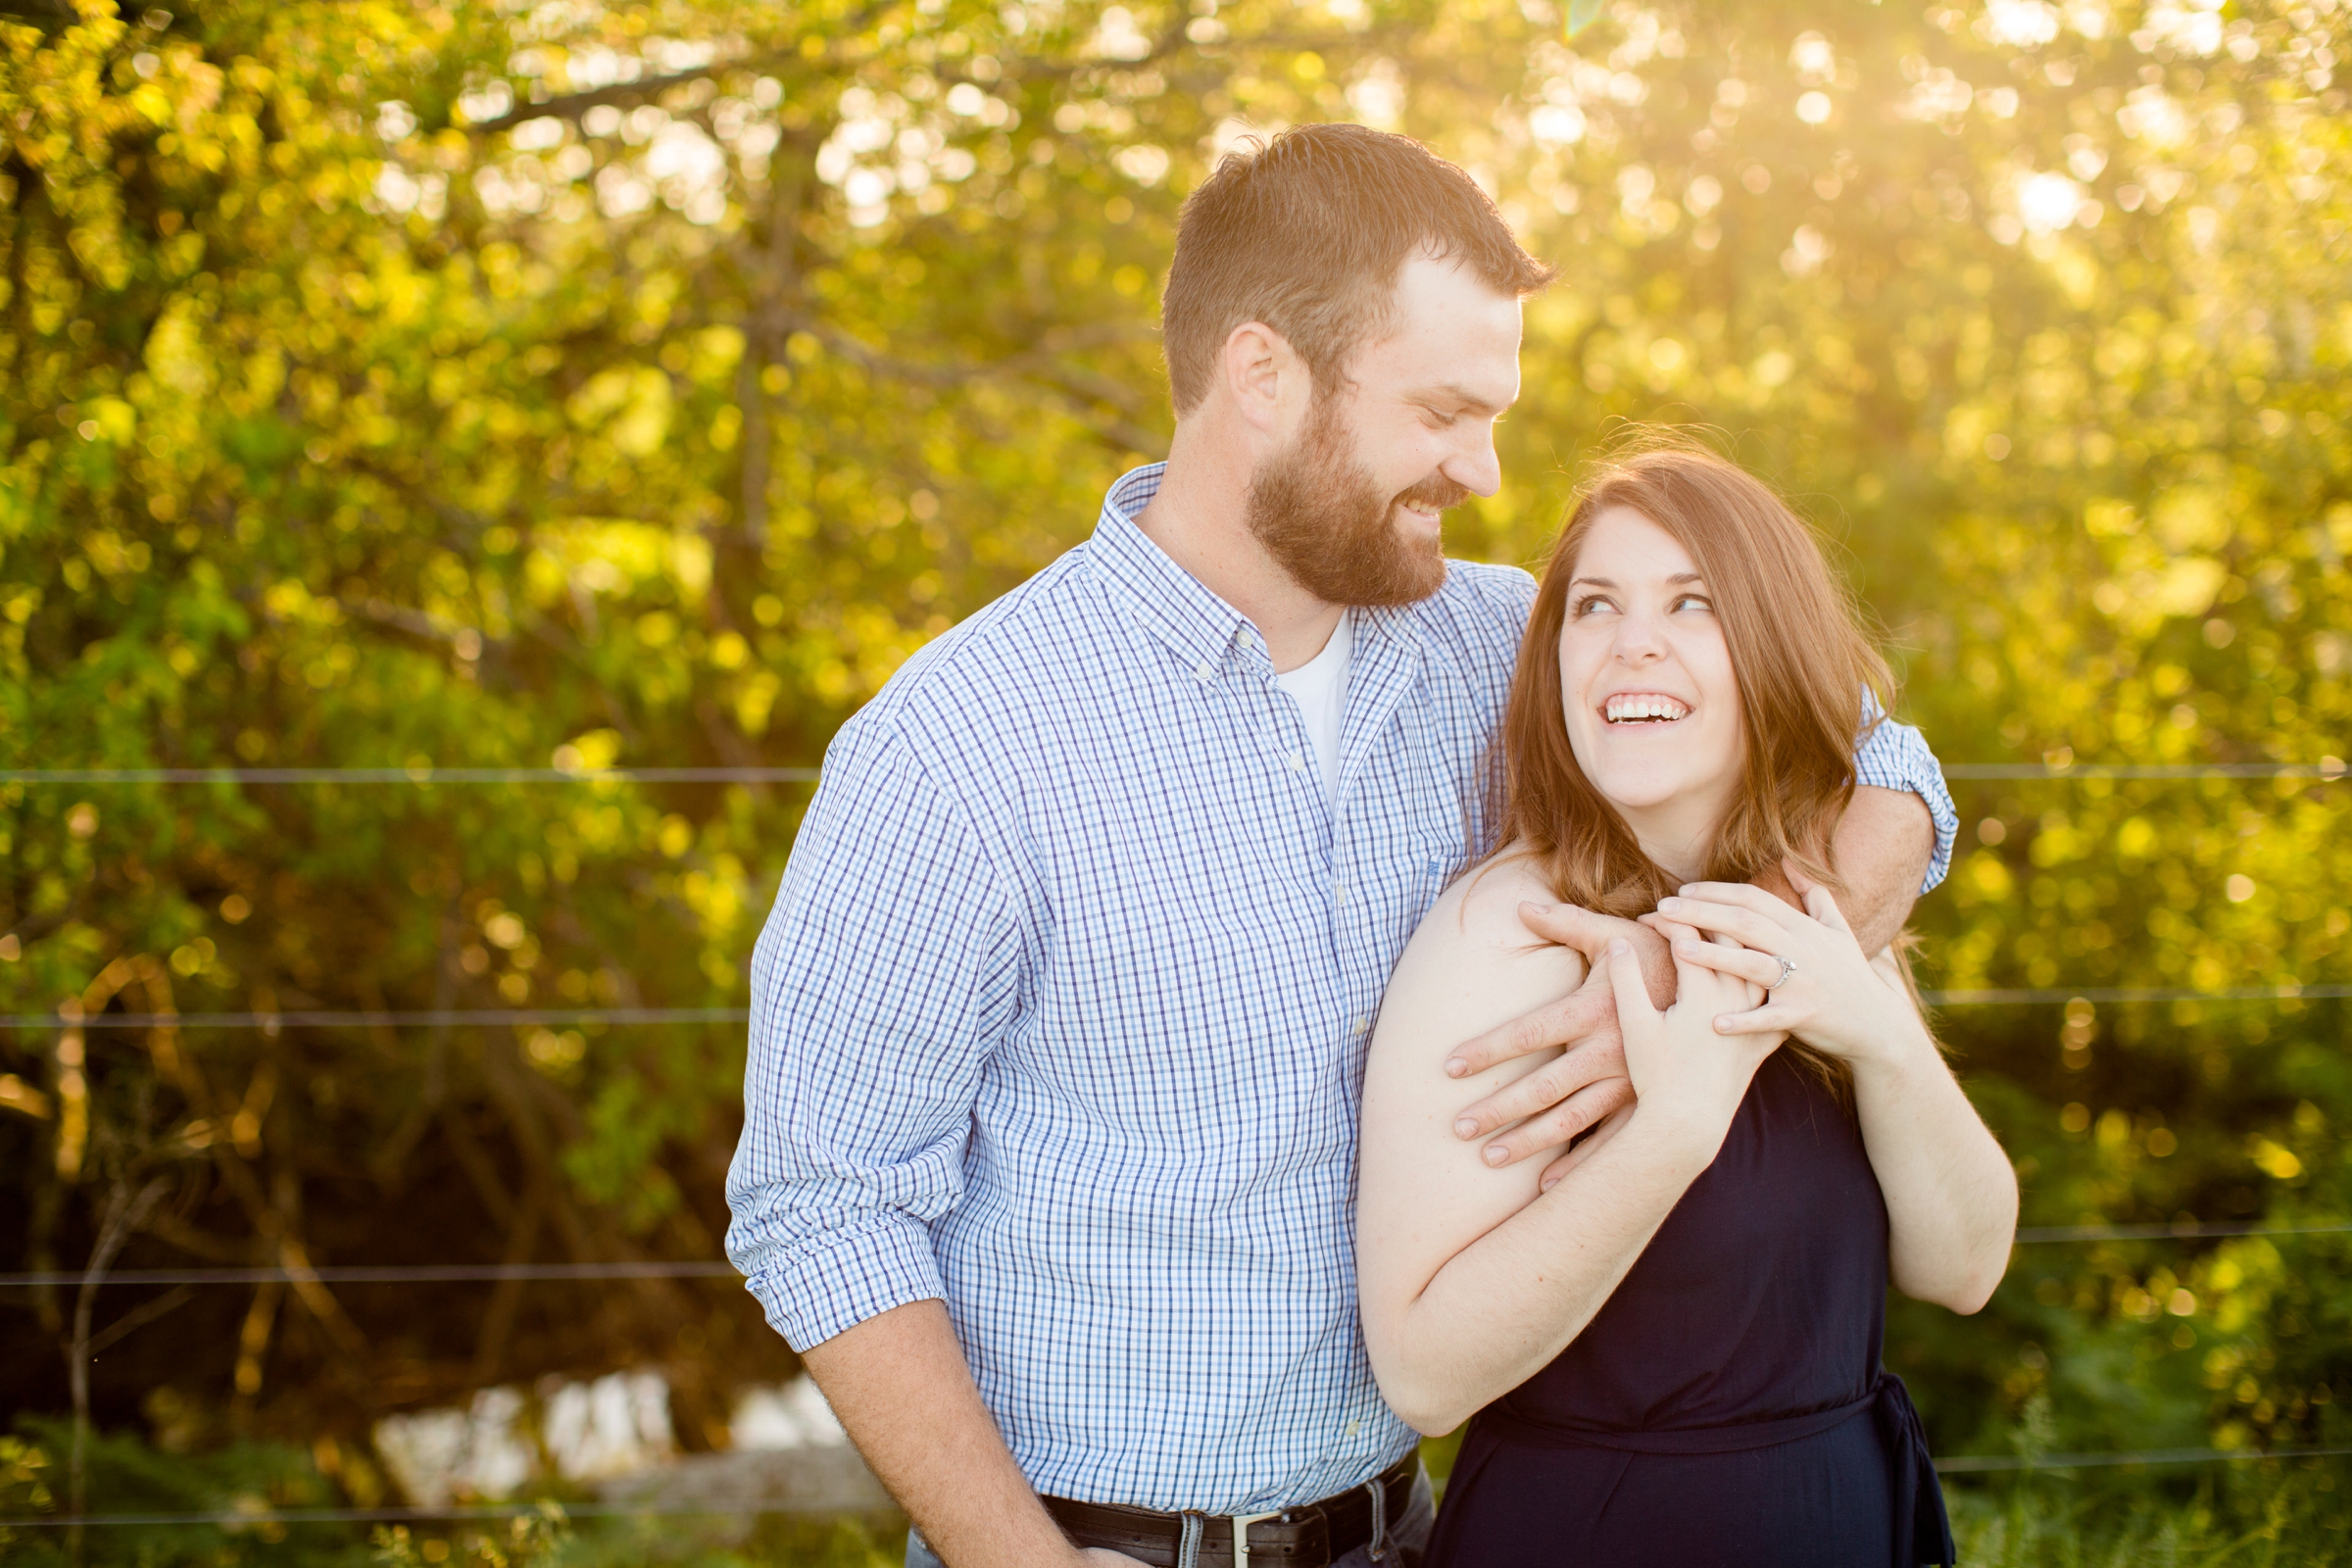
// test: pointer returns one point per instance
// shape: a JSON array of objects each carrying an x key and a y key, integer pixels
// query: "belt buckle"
[{"x": 1240, "y": 1533}]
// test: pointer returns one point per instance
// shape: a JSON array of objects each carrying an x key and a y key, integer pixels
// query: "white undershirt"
[{"x": 1320, "y": 689}]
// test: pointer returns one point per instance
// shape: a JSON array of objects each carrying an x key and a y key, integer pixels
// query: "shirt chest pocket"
[
  {"x": 1414, "y": 833},
  {"x": 1436, "y": 862}
]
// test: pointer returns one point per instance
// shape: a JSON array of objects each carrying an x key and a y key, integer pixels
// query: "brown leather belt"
[{"x": 1311, "y": 1534}]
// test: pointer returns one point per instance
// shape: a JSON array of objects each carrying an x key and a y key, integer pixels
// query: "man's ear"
[{"x": 1264, "y": 376}]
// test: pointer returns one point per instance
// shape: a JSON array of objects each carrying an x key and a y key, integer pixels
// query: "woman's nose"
[{"x": 1638, "y": 641}]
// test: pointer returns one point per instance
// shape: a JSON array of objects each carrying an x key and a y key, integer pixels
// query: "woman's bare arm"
[
  {"x": 1951, "y": 1192},
  {"x": 1470, "y": 1279}
]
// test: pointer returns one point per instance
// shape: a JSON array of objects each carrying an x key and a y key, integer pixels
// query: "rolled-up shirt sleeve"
[
  {"x": 886, "y": 974},
  {"x": 1896, "y": 757}
]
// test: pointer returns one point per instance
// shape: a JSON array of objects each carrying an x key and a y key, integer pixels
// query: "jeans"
[{"x": 1406, "y": 1543}]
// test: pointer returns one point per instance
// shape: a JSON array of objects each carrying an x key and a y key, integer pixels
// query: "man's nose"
[{"x": 1475, "y": 467}]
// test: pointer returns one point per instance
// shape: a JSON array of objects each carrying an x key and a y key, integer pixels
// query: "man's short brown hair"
[{"x": 1307, "y": 233}]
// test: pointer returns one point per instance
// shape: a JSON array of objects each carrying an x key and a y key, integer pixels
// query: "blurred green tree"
[{"x": 550, "y": 385}]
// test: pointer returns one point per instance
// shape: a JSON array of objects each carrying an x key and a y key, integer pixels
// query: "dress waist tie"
[{"x": 1921, "y": 1524}]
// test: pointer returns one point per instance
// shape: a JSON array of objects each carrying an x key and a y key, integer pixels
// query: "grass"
[{"x": 2237, "y": 1517}]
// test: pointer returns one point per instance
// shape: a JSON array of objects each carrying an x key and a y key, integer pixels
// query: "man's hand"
[
  {"x": 1589, "y": 1082},
  {"x": 900, "y": 1383}
]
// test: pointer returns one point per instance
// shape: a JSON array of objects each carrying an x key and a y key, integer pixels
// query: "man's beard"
[{"x": 1321, "y": 518}]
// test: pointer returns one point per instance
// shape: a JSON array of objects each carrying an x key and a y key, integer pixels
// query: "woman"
[{"x": 1672, "y": 1346}]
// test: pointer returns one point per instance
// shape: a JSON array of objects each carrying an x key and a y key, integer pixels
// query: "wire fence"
[{"x": 2328, "y": 770}]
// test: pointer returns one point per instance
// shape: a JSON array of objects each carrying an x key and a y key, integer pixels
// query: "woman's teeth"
[{"x": 1643, "y": 707}]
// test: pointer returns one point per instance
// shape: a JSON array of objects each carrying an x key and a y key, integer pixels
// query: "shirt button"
[
  {"x": 1358, "y": 1025},
  {"x": 1202, "y": 674},
  {"x": 1297, "y": 763}
]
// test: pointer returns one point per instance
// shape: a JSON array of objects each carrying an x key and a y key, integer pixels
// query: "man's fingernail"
[
  {"x": 1465, "y": 1128},
  {"x": 1669, "y": 903},
  {"x": 1456, "y": 1066},
  {"x": 1619, "y": 947},
  {"x": 1496, "y": 1154},
  {"x": 1550, "y": 1182}
]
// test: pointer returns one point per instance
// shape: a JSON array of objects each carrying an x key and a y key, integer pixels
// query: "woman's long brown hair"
[{"x": 1803, "y": 665}]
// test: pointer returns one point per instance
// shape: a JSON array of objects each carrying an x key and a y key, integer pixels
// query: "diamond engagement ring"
[{"x": 1788, "y": 968}]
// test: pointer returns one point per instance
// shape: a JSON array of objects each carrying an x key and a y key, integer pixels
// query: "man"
[{"x": 1059, "y": 1021}]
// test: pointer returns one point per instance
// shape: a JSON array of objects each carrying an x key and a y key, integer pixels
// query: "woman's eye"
[
  {"x": 1691, "y": 602},
  {"x": 1589, "y": 603}
]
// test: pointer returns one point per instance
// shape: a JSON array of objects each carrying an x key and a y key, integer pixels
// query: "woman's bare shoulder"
[
  {"x": 1472, "y": 963},
  {"x": 1480, "y": 912}
]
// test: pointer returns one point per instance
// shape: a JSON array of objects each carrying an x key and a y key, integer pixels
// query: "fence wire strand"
[
  {"x": 2329, "y": 770},
  {"x": 696, "y": 1269},
  {"x": 525, "y": 1017},
  {"x": 384, "y": 1274},
  {"x": 429, "y": 1017},
  {"x": 422, "y": 773}
]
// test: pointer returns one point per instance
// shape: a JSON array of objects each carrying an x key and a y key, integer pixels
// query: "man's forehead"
[{"x": 1453, "y": 335}]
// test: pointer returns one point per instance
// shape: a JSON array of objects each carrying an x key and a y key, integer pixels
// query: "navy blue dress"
[{"x": 1727, "y": 1406}]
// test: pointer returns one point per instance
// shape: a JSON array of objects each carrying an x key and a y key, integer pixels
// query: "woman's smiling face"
[{"x": 1651, "y": 702}]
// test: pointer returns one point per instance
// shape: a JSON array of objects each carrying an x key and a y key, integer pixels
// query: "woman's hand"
[
  {"x": 1952, "y": 1194},
  {"x": 1687, "y": 1078},
  {"x": 1834, "y": 999}
]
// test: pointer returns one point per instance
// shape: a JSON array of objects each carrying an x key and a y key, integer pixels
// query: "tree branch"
[
  {"x": 572, "y": 105},
  {"x": 125, "y": 1214},
  {"x": 1043, "y": 367}
]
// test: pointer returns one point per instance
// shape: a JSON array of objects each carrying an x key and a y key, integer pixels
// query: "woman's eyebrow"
[{"x": 1678, "y": 579}]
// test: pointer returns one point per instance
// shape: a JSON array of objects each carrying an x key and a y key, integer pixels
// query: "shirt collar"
[{"x": 1169, "y": 602}]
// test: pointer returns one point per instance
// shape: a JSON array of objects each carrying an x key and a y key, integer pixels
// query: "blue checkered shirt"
[{"x": 1062, "y": 1013}]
